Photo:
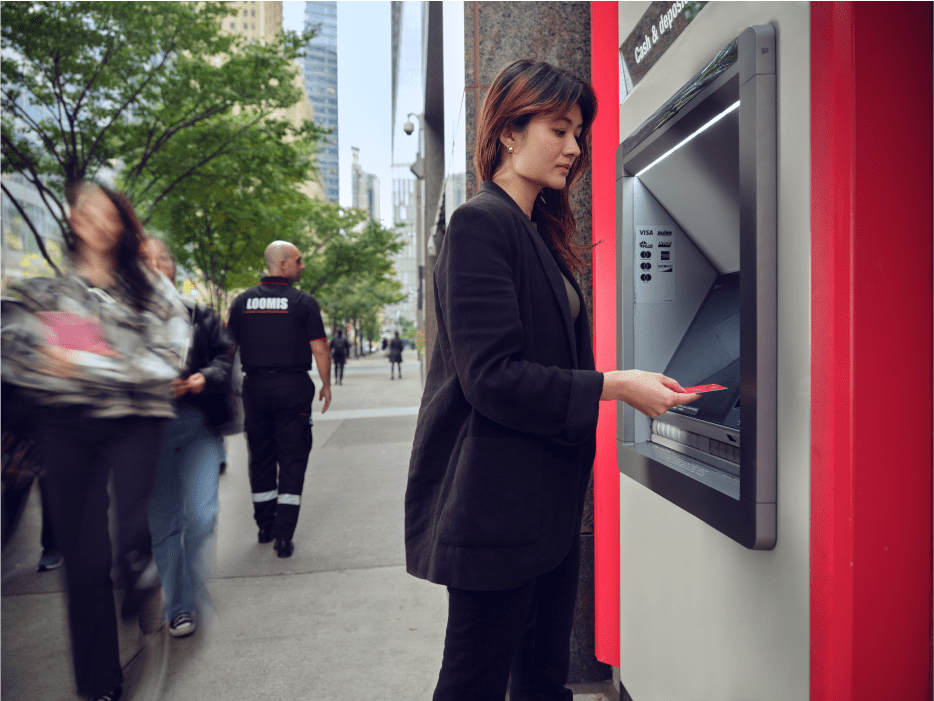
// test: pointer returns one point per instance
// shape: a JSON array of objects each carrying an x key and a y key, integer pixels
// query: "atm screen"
[{"x": 709, "y": 354}]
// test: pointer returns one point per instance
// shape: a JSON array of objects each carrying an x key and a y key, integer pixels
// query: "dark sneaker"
[
  {"x": 113, "y": 695},
  {"x": 284, "y": 547},
  {"x": 50, "y": 560},
  {"x": 183, "y": 624}
]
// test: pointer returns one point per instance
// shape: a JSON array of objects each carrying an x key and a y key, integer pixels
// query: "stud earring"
[{"x": 509, "y": 148}]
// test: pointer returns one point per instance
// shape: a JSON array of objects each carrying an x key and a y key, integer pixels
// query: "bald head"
[
  {"x": 283, "y": 259},
  {"x": 157, "y": 256}
]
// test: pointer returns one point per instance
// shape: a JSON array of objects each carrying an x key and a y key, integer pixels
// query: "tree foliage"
[
  {"x": 149, "y": 86},
  {"x": 219, "y": 220},
  {"x": 360, "y": 302},
  {"x": 344, "y": 243}
]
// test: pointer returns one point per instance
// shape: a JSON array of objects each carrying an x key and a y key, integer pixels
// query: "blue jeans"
[{"x": 183, "y": 509}]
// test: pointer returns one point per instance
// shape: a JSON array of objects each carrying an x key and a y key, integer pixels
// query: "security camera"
[{"x": 408, "y": 128}]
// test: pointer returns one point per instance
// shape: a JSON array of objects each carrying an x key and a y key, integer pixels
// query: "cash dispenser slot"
[{"x": 696, "y": 188}]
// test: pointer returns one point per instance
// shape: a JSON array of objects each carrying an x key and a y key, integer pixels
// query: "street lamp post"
[{"x": 418, "y": 170}]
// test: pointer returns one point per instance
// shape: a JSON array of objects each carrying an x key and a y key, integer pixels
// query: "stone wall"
[{"x": 495, "y": 34}]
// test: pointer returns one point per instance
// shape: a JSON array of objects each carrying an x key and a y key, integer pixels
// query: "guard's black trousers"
[{"x": 277, "y": 418}]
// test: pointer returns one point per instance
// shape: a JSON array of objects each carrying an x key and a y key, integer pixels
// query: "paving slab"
[{"x": 331, "y": 635}]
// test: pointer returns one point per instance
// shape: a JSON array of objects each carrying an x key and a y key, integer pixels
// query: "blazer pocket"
[{"x": 496, "y": 496}]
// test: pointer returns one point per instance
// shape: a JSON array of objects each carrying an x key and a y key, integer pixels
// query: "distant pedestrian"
[
  {"x": 97, "y": 349},
  {"x": 340, "y": 349},
  {"x": 395, "y": 356},
  {"x": 278, "y": 329},
  {"x": 183, "y": 508}
]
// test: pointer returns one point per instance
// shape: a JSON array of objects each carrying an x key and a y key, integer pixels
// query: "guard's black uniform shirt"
[{"x": 273, "y": 324}]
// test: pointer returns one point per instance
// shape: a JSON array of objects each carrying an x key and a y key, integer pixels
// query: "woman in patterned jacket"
[{"x": 95, "y": 350}]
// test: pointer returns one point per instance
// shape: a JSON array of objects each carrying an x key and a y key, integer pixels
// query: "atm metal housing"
[{"x": 741, "y": 506}]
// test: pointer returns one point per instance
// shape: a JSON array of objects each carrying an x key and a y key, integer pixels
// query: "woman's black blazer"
[{"x": 506, "y": 431}]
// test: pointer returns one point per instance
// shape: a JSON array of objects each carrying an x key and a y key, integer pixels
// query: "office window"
[
  {"x": 233, "y": 26},
  {"x": 252, "y": 13}
]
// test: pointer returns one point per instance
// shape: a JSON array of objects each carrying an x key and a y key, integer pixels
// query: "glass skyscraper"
[{"x": 320, "y": 65}]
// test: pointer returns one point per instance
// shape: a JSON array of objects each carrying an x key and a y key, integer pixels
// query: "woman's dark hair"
[
  {"x": 130, "y": 272},
  {"x": 522, "y": 90}
]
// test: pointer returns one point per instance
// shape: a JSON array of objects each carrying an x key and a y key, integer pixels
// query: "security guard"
[{"x": 278, "y": 328}]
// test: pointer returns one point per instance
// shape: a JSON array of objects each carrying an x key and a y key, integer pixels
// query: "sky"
[{"x": 364, "y": 90}]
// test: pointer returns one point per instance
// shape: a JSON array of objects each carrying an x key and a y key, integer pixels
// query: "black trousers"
[
  {"x": 80, "y": 454},
  {"x": 517, "y": 637},
  {"x": 277, "y": 418},
  {"x": 339, "y": 369}
]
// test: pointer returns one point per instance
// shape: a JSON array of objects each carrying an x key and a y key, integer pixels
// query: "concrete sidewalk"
[{"x": 340, "y": 619}]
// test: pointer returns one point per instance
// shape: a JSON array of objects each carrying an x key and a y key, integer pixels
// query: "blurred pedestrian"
[
  {"x": 97, "y": 350},
  {"x": 278, "y": 329},
  {"x": 183, "y": 508},
  {"x": 339, "y": 351},
  {"x": 506, "y": 433},
  {"x": 395, "y": 356}
]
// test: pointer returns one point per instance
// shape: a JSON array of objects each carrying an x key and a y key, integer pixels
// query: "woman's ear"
[{"x": 507, "y": 138}]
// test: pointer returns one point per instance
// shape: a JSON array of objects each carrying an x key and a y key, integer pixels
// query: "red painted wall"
[
  {"x": 871, "y": 372},
  {"x": 604, "y": 72}
]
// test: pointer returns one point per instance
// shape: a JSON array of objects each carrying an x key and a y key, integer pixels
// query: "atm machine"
[{"x": 696, "y": 189}]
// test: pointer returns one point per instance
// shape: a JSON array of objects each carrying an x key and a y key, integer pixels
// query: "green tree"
[
  {"x": 360, "y": 302},
  {"x": 219, "y": 220},
  {"x": 88, "y": 86},
  {"x": 344, "y": 243},
  {"x": 407, "y": 329}
]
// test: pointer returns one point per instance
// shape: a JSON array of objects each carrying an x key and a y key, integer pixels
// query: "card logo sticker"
[{"x": 654, "y": 264}]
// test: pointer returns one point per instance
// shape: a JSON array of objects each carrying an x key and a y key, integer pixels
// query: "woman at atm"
[{"x": 506, "y": 432}]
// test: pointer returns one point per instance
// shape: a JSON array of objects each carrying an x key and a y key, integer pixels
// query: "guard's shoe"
[
  {"x": 284, "y": 547},
  {"x": 183, "y": 624},
  {"x": 113, "y": 695},
  {"x": 50, "y": 560},
  {"x": 222, "y": 468},
  {"x": 265, "y": 534}
]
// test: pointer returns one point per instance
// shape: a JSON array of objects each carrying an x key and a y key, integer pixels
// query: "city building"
[
  {"x": 320, "y": 69},
  {"x": 407, "y": 177},
  {"x": 255, "y": 21},
  {"x": 364, "y": 187},
  {"x": 405, "y": 216},
  {"x": 260, "y": 21}
]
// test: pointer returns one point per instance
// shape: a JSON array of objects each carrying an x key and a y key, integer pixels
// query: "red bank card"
[{"x": 700, "y": 389}]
